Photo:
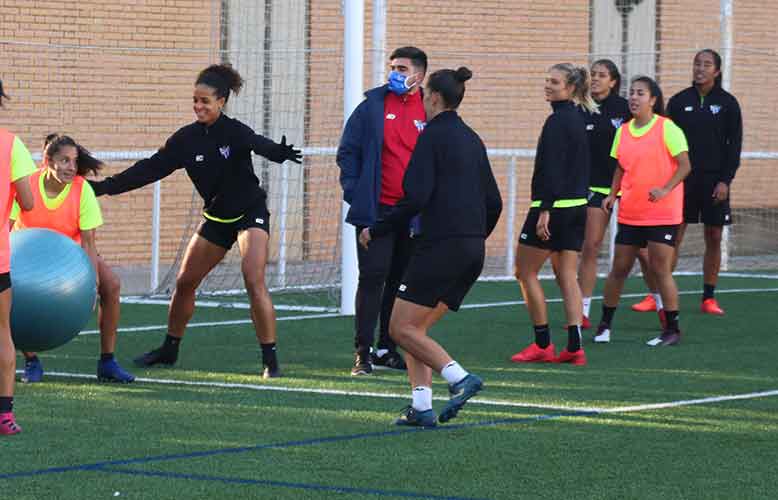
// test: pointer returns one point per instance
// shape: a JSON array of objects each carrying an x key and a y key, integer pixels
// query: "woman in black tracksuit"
[
  {"x": 450, "y": 183},
  {"x": 601, "y": 128},
  {"x": 216, "y": 152},
  {"x": 712, "y": 123},
  {"x": 556, "y": 221}
]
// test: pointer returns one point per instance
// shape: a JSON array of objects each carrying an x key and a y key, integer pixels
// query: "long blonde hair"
[{"x": 580, "y": 79}]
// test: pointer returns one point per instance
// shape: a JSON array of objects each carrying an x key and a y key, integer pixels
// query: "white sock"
[
  {"x": 422, "y": 398},
  {"x": 658, "y": 300},
  {"x": 453, "y": 373},
  {"x": 587, "y": 304}
]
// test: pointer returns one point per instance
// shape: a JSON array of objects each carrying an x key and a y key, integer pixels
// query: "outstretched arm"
[
  {"x": 159, "y": 166},
  {"x": 277, "y": 152}
]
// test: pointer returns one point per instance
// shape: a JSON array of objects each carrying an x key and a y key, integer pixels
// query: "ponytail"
[
  {"x": 580, "y": 78},
  {"x": 450, "y": 84},
  {"x": 222, "y": 78},
  {"x": 85, "y": 162}
]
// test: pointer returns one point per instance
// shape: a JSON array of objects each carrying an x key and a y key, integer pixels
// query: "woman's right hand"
[{"x": 608, "y": 202}]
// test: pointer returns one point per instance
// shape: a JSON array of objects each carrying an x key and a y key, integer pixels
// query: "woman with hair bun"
[
  {"x": 216, "y": 152},
  {"x": 449, "y": 182},
  {"x": 556, "y": 220}
]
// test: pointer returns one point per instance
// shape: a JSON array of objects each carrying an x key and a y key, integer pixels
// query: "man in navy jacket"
[{"x": 374, "y": 151}]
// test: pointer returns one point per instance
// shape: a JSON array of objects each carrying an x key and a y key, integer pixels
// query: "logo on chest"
[
  {"x": 617, "y": 122},
  {"x": 199, "y": 158},
  {"x": 391, "y": 116},
  {"x": 420, "y": 124},
  {"x": 225, "y": 151},
  {"x": 715, "y": 108}
]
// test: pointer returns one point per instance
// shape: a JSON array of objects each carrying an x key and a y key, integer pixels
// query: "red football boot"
[
  {"x": 711, "y": 306},
  {"x": 648, "y": 304},
  {"x": 574, "y": 358},
  {"x": 534, "y": 354}
]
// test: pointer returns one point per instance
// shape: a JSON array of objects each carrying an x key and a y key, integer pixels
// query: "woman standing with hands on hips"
[{"x": 216, "y": 152}]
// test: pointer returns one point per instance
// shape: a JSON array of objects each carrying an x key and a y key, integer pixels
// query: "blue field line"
[
  {"x": 282, "y": 484},
  {"x": 292, "y": 444}
]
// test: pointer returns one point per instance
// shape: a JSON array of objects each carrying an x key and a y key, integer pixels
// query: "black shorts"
[
  {"x": 699, "y": 206},
  {"x": 225, "y": 234},
  {"x": 639, "y": 236},
  {"x": 5, "y": 281},
  {"x": 594, "y": 200},
  {"x": 567, "y": 227},
  {"x": 442, "y": 271}
]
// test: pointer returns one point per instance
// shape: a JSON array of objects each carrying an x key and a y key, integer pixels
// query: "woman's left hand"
[
  {"x": 657, "y": 194},
  {"x": 364, "y": 237},
  {"x": 541, "y": 228}
]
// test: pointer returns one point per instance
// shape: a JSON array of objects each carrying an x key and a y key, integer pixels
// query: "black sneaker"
[
  {"x": 391, "y": 360},
  {"x": 155, "y": 357},
  {"x": 362, "y": 364},
  {"x": 268, "y": 372}
]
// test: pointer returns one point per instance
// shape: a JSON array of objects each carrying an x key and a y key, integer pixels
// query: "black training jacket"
[
  {"x": 601, "y": 129},
  {"x": 713, "y": 127},
  {"x": 450, "y": 182},
  {"x": 562, "y": 158},
  {"x": 217, "y": 159}
]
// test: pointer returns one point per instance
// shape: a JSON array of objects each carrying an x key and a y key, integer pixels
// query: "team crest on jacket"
[
  {"x": 420, "y": 124},
  {"x": 616, "y": 122},
  {"x": 715, "y": 108},
  {"x": 225, "y": 151}
]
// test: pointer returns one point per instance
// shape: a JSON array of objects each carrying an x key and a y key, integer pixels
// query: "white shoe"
[
  {"x": 654, "y": 342},
  {"x": 603, "y": 336}
]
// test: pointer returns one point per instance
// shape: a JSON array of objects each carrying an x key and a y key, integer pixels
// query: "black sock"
[
  {"x": 573, "y": 338},
  {"x": 607, "y": 315},
  {"x": 6, "y": 404},
  {"x": 171, "y": 344},
  {"x": 672, "y": 320},
  {"x": 269, "y": 355},
  {"x": 106, "y": 356},
  {"x": 30, "y": 359},
  {"x": 707, "y": 291},
  {"x": 542, "y": 336}
]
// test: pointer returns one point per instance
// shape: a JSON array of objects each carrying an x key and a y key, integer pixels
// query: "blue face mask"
[{"x": 398, "y": 83}]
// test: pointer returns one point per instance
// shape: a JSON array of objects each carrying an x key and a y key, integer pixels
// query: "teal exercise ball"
[{"x": 53, "y": 289}]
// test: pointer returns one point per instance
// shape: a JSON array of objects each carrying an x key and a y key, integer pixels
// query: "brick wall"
[{"x": 118, "y": 75}]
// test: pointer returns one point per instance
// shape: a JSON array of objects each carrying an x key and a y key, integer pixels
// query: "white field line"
[
  {"x": 486, "y": 402},
  {"x": 151, "y": 328},
  {"x": 226, "y": 305},
  {"x": 134, "y": 299},
  {"x": 690, "y": 402},
  {"x": 207, "y": 324},
  {"x": 623, "y": 296}
]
